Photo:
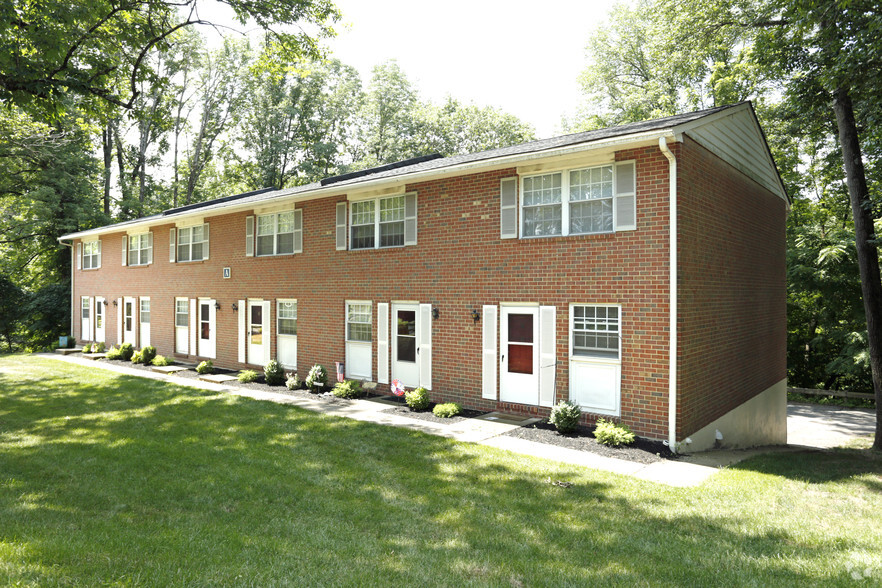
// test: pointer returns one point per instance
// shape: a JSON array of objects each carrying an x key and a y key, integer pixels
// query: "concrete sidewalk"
[{"x": 488, "y": 430}]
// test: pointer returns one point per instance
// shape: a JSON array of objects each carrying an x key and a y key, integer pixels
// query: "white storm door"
[
  {"x": 405, "y": 343},
  {"x": 182, "y": 326},
  {"x": 257, "y": 339},
  {"x": 207, "y": 331},
  {"x": 286, "y": 333},
  {"x": 144, "y": 321},
  {"x": 519, "y": 354},
  {"x": 85, "y": 320},
  {"x": 99, "y": 320},
  {"x": 129, "y": 321}
]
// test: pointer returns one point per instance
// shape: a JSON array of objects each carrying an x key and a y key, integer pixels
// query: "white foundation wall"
[{"x": 762, "y": 420}]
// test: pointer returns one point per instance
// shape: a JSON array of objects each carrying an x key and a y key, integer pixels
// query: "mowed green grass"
[{"x": 108, "y": 480}]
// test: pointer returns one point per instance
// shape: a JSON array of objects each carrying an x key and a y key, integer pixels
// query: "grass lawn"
[{"x": 117, "y": 480}]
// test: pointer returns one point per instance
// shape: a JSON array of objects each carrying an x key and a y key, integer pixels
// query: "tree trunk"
[
  {"x": 867, "y": 253},
  {"x": 107, "y": 144}
]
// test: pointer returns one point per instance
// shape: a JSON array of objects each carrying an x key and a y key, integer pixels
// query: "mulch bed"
[
  {"x": 642, "y": 451},
  {"x": 427, "y": 415}
]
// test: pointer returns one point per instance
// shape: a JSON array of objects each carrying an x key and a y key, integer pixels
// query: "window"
[
  {"x": 275, "y": 233},
  {"x": 383, "y": 222},
  {"x": 192, "y": 243},
  {"x": 85, "y": 307},
  {"x": 358, "y": 321},
  {"x": 145, "y": 310},
  {"x": 287, "y": 317},
  {"x": 140, "y": 249},
  {"x": 572, "y": 202},
  {"x": 91, "y": 255},
  {"x": 596, "y": 331},
  {"x": 182, "y": 313}
]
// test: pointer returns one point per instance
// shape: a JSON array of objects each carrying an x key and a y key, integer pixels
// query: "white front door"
[
  {"x": 99, "y": 320},
  {"x": 182, "y": 326},
  {"x": 144, "y": 319},
  {"x": 129, "y": 321},
  {"x": 519, "y": 354},
  {"x": 405, "y": 344},
  {"x": 286, "y": 333},
  {"x": 207, "y": 331},
  {"x": 257, "y": 338},
  {"x": 85, "y": 320}
]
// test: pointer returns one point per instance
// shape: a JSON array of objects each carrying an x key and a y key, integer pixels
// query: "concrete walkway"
[{"x": 490, "y": 429}]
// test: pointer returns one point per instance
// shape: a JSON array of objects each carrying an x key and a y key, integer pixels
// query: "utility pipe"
[{"x": 672, "y": 312}]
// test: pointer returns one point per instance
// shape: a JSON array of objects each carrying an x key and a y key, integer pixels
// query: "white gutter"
[{"x": 672, "y": 327}]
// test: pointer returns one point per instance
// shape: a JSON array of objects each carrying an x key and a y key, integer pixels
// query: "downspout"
[
  {"x": 672, "y": 326},
  {"x": 73, "y": 263}
]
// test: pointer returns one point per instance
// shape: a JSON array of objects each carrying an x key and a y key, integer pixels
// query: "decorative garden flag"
[{"x": 397, "y": 387}]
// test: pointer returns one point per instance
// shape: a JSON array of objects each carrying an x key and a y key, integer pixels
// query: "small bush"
[
  {"x": 317, "y": 375},
  {"x": 446, "y": 410},
  {"x": 293, "y": 382},
  {"x": 161, "y": 360},
  {"x": 206, "y": 367},
  {"x": 98, "y": 348},
  {"x": 348, "y": 389},
  {"x": 246, "y": 376},
  {"x": 418, "y": 399},
  {"x": 274, "y": 373},
  {"x": 565, "y": 416},
  {"x": 136, "y": 357},
  {"x": 113, "y": 353},
  {"x": 609, "y": 433},
  {"x": 126, "y": 351},
  {"x": 147, "y": 354},
  {"x": 87, "y": 348}
]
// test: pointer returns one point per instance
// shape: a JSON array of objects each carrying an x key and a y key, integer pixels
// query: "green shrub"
[
  {"x": 161, "y": 360},
  {"x": 565, "y": 416},
  {"x": 317, "y": 375},
  {"x": 274, "y": 373},
  {"x": 246, "y": 376},
  {"x": 446, "y": 410},
  {"x": 126, "y": 351},
  {"x": 98, "y": 348},
  {"x": 418, "y": 399},
  {"x": 113, "y": 353},
  {"x": 136, "y": 357},
  {"x": 147, "y": 354},
  {"x": 609, "y": 433},
  {"x": 87, "y": 348},
  {"x": 348, "y": 389},
  {"x": 206, "y": 367},
  {"x": 293, "y": 382}
]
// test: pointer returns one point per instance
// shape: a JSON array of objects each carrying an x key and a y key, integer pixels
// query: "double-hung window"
[
  {"x": 91, "y": 255},
  {"x": 144, "y": 314},
  {"x": 383, "y": 222},
  {"x": 358, "y": 321},
  {"x": 596, "y": 331},
  {"x": 182, "y": 313},
  {"x": 192, "y": 243},
  {"x": 287, "y": 318},
  {"x": 275, "y": 233},
  {"x": 141, "y": 249},
  {"x": 599, "y": 199}
]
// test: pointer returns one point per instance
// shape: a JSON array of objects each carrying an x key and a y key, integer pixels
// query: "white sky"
[{"x": 523, "y": 57}]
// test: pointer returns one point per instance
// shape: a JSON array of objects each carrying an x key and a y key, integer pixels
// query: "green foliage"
[
  {"x": 317, "y": 376},
  {"x": 446, "y": 410},
  {"x": 293, "y": 382},
  {"x": 137, "y": 357},
  {"x": 12, "y": 299},
  {"x": 113, "y": 353},
  {"x": 246, "y": 376},
  {"x": 565, "y": 416},
  {"x": 148, "y": 354},
  {"x": 87, "y": 348},
  {"x": 348, "y": 389},
  {"x": 205, "y": 367},
  {"x": 126, "y": 351},
  {"x": 98, "y": 347},
  {"x": 161, "y": 361},
  {"x": 831, "y": 400},
  {"x": 418, "y": 399},
  {"x": 609, "y": 433},
  {"x": 274, "y": 373}
]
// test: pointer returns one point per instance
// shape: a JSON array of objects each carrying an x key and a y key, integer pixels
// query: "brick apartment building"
[{"x": 637, "y": 270}]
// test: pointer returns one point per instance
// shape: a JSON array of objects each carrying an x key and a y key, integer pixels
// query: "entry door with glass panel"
[
  {"x": 519, "y": 354},
  {"x": 144, "y": 319},
  {"x": 85, "y": 320},
  {"x": 206, "y": 326},
  {"x": 286, "y": 332},
  {"x": 182, "y": 326},
  {"x": 405, "y": 349},
  {"x": 256, "y": 337},
  {"x": 99, "y": 320},
  {"x": 129, "y": 321}
]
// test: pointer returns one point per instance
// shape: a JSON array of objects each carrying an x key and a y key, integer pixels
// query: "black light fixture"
[
  {"x": 216, "y": 305},
  {"x": 435, "y": 312},
  {"x": 115, "y": 302},
  {"x": 235, "y": 306},
  {"x": 104, "y": 301},
  {"x": 476, "y": 316}
]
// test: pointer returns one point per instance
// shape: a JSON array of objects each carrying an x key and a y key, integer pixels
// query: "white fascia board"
[{"x": 635, "y": 140}]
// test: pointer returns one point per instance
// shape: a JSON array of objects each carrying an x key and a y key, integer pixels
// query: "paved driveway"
[{"x": 814, "y": 425}]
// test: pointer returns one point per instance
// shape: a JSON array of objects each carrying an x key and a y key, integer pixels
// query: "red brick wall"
[
  {"x": 732, "y": 288},
  {"x": 459, "y": 264}
]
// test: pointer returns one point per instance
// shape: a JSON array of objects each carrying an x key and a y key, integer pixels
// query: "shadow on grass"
[
  {"x": 819, "y": 466},
  {"x": 112, "y": 479}
]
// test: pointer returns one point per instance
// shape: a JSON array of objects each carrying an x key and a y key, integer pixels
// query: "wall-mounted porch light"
[{"x": 476, "y": 316}]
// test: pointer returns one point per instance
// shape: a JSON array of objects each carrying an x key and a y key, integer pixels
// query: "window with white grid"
[
  {"x": 596, "y": 331},
  {"x": 363, "y": 225},
  {"x": 572, "y": 202},
  {"x": 139, "y": 249},
  {"x": 379, "y": 222},
  {"x": 91, "y": 255},
  {"x": 275, "y": 233},
  {"x": 358, "y": 321},
  {"x": 287, "y": 318},
  {"x": 182, "y": 313},
  {"x": 191, "y": 243}
]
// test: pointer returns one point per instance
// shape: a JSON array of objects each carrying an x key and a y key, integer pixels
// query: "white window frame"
[
  {"x": 370, "y": 325},
  {"x": 280, "y": 318},
  {"x": 142, "y": 312},
  {"x": 275, "y": 234},
  {"x": 377, "y": 223},
  {"x": 145, "y": 247},
  {"x": 599, "y": 355},
  {"x": 91, "y": 260},
  {"x": 186, "y": 314},
  {"x": 189, "y": 245},
  {"x": 565, "y": 202}
]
